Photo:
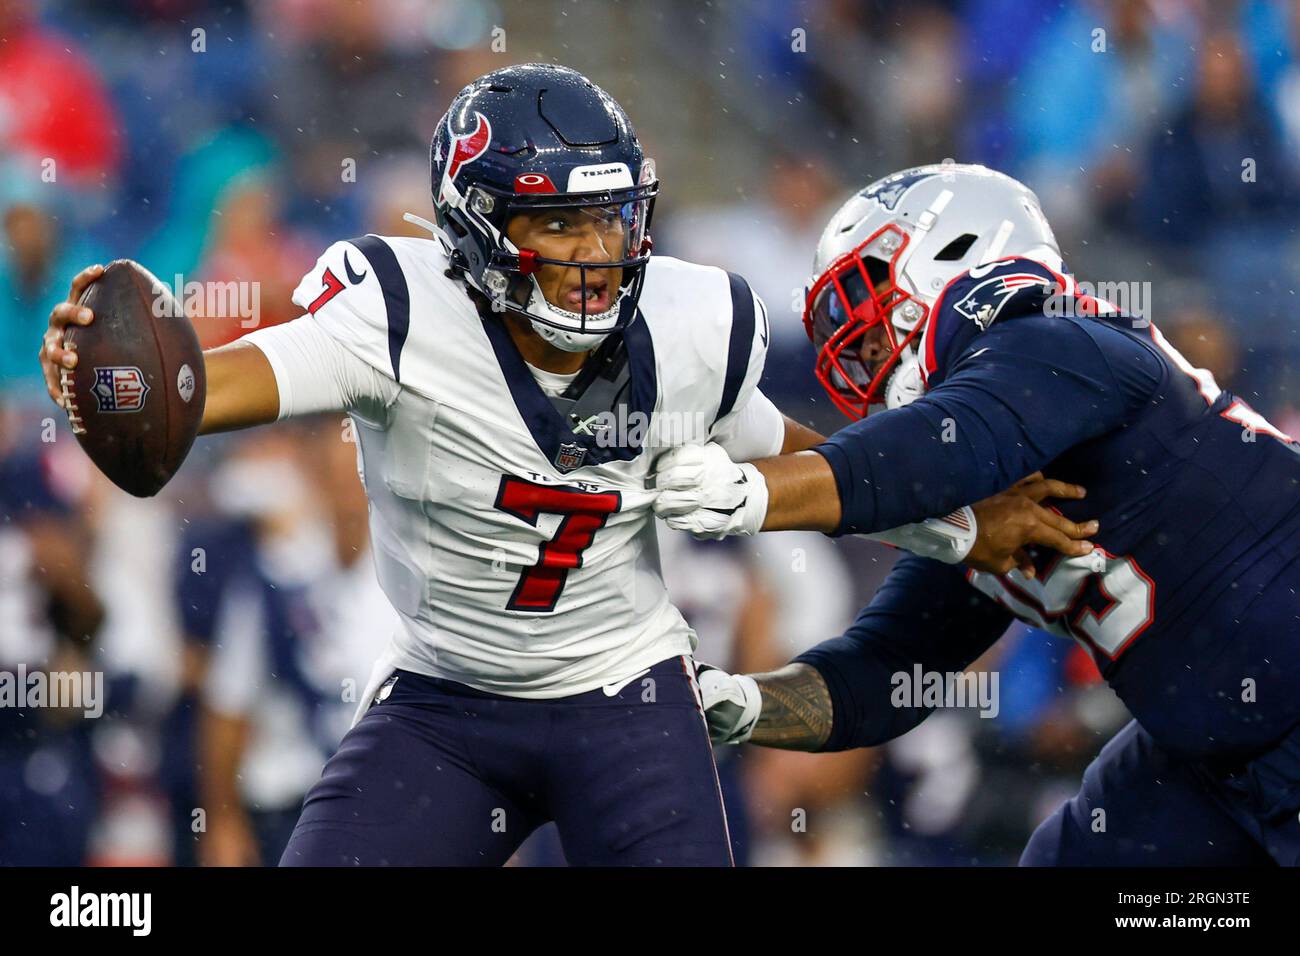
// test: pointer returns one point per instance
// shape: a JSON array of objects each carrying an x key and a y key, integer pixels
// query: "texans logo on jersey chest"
[{"x": 120, "y": 389}]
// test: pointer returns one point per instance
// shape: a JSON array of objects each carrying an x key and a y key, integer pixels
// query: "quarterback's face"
[{"x": 590, "y": 235}]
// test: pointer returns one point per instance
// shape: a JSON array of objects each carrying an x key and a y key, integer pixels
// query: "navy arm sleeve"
[
  {"x": 924, "y": 614},
  {"x": 1022, "y": 394}
]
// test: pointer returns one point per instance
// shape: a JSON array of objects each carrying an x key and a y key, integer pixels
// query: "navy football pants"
[
  {"x": 439, "y": 774},
  {"x": 1141, "y": 806}
]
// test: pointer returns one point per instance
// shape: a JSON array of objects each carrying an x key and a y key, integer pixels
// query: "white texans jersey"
[{"x": 517, "y": 543}]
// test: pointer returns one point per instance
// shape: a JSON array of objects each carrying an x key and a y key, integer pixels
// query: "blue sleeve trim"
[
  {"x": 742, "y": 343},
  {"x": 397, "y": 298}
]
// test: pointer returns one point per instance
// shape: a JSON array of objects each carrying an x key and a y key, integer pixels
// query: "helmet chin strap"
[
  {"x": 905, "y": 384},
  {"x": 569, "y": 341}
]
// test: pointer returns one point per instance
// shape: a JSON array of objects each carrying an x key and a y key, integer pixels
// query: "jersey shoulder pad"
[
  {"x": 360, "y": 292},
  {"x": 713, "y": 323},
  {"x": 977, "y": 298}
]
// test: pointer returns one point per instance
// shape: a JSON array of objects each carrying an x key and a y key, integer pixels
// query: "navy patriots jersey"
[{"x": 1190, "y": 606}]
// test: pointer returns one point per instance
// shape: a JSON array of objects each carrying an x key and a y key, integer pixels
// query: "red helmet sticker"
[
  {"x": 534, "y": 183},
  {"x": 470, "y": 146}
]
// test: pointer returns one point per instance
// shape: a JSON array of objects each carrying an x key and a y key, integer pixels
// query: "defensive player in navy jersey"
[{"x": 943, "y": 297}]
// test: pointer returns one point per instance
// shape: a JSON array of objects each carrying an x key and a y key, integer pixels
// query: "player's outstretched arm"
[
  {"x": 241, "y": 390},
  {"x": 798, "y": 437},
  {"x": 788, "y": 708},
  {"x": 701, "y": 490},
  {"x": 841, "y": 693},
  {"x": 802, "y": 493},
  {"x": 796, "y": 713}
]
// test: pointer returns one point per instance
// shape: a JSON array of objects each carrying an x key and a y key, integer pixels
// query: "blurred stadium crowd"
[{"x": 228, "y": 613}]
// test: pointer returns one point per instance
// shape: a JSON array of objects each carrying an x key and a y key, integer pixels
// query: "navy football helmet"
[{"x": 540, "y": 137}]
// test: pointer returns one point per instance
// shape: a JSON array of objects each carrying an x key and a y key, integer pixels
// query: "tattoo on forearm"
[{"x": 796, "y": 711}]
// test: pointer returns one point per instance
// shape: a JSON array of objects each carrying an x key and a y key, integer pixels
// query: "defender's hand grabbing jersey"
[{"x": 517, "y": 544}]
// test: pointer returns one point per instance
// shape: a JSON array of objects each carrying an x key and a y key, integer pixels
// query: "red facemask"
[{"x": 845, "y": 312}]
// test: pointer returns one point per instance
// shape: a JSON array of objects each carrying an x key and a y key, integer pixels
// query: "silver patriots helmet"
[{"x": 885, "y": 257}]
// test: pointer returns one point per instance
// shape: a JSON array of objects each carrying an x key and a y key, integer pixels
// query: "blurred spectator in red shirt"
[{"x": 53, "y": 104}]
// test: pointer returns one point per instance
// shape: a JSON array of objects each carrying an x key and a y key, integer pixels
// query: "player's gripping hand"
[
  {"x": 1011, "y": 521},
  {"x": 701, "y": 490},
  {"x": 54, "y": 358},
  {"x": 732, "y": 703}
]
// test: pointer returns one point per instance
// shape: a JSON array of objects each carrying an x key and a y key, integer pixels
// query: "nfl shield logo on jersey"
[
  {"x": 570, "y": 456},
  {"x": 120, "y": 389}
]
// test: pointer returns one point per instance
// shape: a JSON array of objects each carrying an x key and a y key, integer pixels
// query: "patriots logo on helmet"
[
  {"x": 467, "y": 147},
  {"x": 890, "y": 190},
  {"x": 984, "y": 303}
]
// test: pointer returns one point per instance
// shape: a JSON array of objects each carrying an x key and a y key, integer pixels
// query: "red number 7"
[{"x": 585, "y": 513}]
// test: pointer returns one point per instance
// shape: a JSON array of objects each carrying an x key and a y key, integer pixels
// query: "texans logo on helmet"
[
  {"x": 985, "y": 302},
  {"x": 467, "y": 147}
]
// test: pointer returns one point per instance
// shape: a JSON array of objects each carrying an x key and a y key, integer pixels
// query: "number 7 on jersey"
[{"x": 585, "y": 513}]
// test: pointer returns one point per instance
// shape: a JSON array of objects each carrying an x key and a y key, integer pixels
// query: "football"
[{"x": 136, "y": 397}]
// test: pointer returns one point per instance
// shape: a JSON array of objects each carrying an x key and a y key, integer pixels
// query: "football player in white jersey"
[{"x": 511, "y": 379}]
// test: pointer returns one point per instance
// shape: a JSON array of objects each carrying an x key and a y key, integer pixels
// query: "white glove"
[
  {"x": 701, "y": 490},
  {"x": 732, "y": 703}
]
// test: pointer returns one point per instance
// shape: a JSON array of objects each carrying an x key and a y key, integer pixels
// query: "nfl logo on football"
[{"x": 120, "y": 389}]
